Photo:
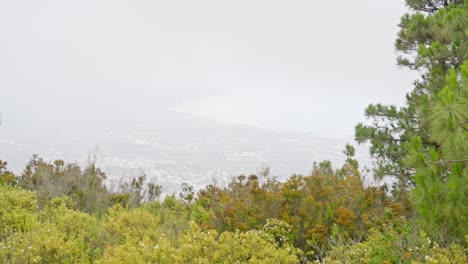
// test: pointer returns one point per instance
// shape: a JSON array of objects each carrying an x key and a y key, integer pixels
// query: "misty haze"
[{"x": 187, "y": 91}]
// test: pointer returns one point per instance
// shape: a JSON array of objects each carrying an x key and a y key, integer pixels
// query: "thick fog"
[
  {"x": 298, "y": 64},
  {"x": 70, "y": 68}
]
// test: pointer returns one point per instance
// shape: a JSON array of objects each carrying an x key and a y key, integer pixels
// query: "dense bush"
[
  {"x": 396, "y": 242},
  {"x": 154, "y": 233}
]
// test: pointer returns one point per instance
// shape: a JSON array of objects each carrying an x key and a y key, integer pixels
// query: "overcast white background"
[{"x": 305, "y": 65}]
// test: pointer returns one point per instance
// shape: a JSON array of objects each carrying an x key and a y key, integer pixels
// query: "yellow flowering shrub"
[
  {"x": 197, "y": 246},
  {"x": 397, "y": 243}
]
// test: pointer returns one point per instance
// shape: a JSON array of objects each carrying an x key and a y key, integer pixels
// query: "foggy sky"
[{"x": 307, "y": 65}]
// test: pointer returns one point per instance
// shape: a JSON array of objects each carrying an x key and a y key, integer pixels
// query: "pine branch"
[
  {"x": 391, "y": 116},
  {"x": 449, "y": 161}
]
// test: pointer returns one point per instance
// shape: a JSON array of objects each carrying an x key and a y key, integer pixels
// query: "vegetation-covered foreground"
[
  {"x": 327, "y": 216},
  {"x": 61, "y": 213}
]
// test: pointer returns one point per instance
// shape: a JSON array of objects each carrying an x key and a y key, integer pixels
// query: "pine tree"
[
  {"x": 432, "y": 40},
  {"x": 423, "y": 143}
]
